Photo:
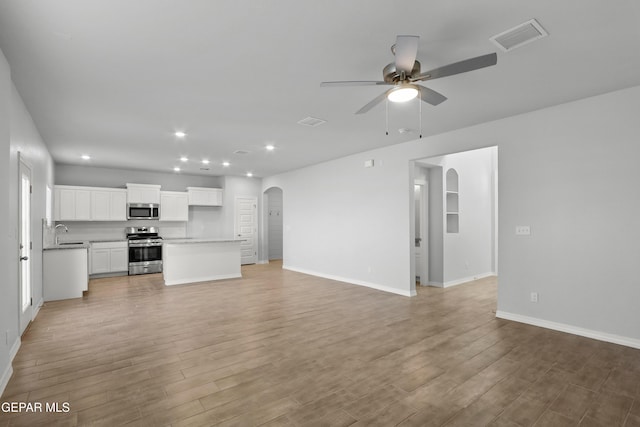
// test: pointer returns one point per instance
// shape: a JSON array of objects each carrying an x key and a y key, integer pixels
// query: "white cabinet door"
[
  {"x": 119, "y": 259},
  {"x": 100, "y": 205},
  {"x": 72, "y": 204},
  {"x": 100, "y": 260},
  {"x": 118, "y": 208},
  {"x": 109, "y": 257},
  {"x": 174, "y": 206},
  {"x": 202, "y": 196},
  {"x": 90, "y": 204},
  {"x": 143, "y": 193},
  {"x": 65, "y": 204},
  {"x": 83, "y": 205}
]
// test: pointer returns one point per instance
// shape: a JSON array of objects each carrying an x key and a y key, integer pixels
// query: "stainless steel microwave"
[{"x": 143, "y": 211}]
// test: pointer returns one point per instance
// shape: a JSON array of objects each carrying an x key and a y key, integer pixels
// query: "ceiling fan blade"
[
  {"x": 353, "y": 83},
  {"x": 459, "y": 67},
  {"x": 430, "y": 96},
  {"x": 406, "y": 49},
  {"x": 378, "y": 99}
]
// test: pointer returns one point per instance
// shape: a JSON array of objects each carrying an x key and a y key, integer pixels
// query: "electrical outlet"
[
  {"x": 523, "y": 230},
  {"x": 534, "y": 297}
]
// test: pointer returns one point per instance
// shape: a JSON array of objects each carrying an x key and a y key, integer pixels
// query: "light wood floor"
[{"x": 280, "y": 348}]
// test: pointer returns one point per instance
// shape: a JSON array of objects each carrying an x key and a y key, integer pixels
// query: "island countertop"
[{"x": 67, "y": 245}]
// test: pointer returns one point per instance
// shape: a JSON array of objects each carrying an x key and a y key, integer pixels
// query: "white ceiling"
[{"x": 115, "y": 78}]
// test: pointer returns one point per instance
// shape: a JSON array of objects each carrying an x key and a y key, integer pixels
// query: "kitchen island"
[{"x": 200, "y": 260}]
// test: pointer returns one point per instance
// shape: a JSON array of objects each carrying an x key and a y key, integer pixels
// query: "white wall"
[
  {"x": 18, "y": 134},
  {"x": 349, "y": 222},
  {"x": 26, "y": 140},
  {"x": 567, "y": 171},
  {"x": 118, "y": 178},
  {"x": 8, "y": 257}
]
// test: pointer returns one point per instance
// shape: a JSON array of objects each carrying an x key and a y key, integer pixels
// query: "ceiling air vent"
[
  {"x": 519, "y": 36},
  {"x": 241, "y": 152},
  {"x": 311, "y": 121}
]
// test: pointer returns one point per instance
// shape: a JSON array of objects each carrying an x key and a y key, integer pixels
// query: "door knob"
[{"x": 24, "y": 258}]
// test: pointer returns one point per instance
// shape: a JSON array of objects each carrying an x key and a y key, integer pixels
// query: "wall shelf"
[{"x": 452, "y": 202}]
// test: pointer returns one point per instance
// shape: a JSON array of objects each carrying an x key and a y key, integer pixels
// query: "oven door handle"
[{"x": 144, "y": 245}]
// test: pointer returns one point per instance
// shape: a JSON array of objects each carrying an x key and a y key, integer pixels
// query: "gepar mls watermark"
[{"x": 35, "y": 407}]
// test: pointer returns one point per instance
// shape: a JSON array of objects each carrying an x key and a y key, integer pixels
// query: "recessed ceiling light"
[
  {"x": 180, "y": 134},
  {"x": 176, "y": 169},
  {"x": 226, "y": 164},
  {"x": 86, "y": 157},
  {"x": 270, "y": 147},
  {"x": 249, "y": 174},
  {"x": 205, "y": 162},
  {"x": 184, "y": 159}
]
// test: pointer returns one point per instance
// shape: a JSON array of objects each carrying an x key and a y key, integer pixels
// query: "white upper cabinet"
[
  {"x": 174, "y": 206},
  {"x": 72, "y": 203},
  {"x": 201, "y": 196},
  {"x": 143, "y": 193},
  {"x": 108, "y": 204},
  {"x": 89, "y": 204}
]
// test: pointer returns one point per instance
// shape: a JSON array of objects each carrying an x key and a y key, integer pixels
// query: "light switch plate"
[{"x": 523, "y": 230}]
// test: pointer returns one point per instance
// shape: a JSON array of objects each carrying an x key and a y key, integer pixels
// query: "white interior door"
[
  {"x": 246, "y": 228},
  {"x": 24, "y": 257},
  {"x": 421, "y": 235}
]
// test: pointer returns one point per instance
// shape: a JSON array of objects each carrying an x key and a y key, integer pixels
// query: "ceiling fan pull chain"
[
  {"x": 386, "y": 112},
  {"x": 420, "y": 114}
]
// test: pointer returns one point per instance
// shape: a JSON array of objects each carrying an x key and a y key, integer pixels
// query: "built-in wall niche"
[{"x": 452, "y": 201}]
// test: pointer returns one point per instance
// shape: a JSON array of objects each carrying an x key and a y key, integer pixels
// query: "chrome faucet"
[{"x": 55, "y": 229}]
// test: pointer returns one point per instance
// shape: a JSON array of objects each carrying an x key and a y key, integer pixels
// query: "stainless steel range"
[{"x": 145, "y": 250}]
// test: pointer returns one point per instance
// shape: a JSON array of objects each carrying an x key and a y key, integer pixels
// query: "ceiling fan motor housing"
[{"x": 391, "y": 75}]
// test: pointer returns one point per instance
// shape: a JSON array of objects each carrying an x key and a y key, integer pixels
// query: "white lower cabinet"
[
  {"x": 109, "y": 257},
  {"x": 64, "y": 273}
]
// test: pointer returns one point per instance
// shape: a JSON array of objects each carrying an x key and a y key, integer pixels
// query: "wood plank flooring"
[{"x": 279, "y": 348}]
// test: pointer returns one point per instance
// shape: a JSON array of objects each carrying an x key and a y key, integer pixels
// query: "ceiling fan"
[{"x": 405, "y": 72}]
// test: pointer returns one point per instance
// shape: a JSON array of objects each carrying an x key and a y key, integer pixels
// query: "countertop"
[
  {"x": 80, "y": 245},
  {"x": 187, "y": 240}
]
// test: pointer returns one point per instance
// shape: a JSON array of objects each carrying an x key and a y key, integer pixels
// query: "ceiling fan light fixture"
[{"x": 403, "y": 93}]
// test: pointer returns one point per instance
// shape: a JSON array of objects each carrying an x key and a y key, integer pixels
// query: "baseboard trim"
[
  {"x": 36, "y": 310},
  {"x": 4, "y": 379},
  {"x": 6, "y": 375},
  {"x": 14, "y": 349},
  {"x": 570, "y": 329},
  {"x": 466, "y": 279},
  {"x": 202, "y": 279},
  {"x": 409, "y": 293}
]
